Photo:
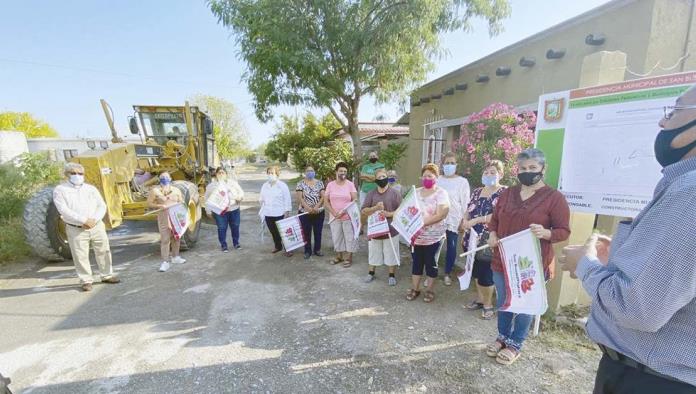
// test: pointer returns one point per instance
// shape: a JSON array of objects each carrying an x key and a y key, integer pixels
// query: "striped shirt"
[
  {"x": 644, "y": 300},
  {"x": 311, "y": 194}
]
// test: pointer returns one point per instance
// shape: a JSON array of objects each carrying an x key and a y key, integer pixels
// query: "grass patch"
[
  {"x": 12, "y": 243},
  {"x": 566, "y": 336}
]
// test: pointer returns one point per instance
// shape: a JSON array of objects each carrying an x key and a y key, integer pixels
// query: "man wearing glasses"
[
  {"x": 82, "y": 208},
  {"x": 643, "y": 282}
]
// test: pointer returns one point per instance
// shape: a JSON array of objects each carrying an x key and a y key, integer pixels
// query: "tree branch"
[{"x": 338, "y": 118}]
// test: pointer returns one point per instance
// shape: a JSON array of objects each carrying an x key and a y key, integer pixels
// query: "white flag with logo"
[
  {"x": 178, "y": 219},
  {"x": 524, "y": 274},
  {"x": 291, "y": 234},
  {"x": 465, "y": 275},
  {"x": 353, "y": 211},
  {"x": 408, "y": 218}
]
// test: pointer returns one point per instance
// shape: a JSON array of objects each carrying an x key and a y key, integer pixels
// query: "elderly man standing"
[
  {"x": 82, "y": 208},
  {"x": 643, "y": 282}
]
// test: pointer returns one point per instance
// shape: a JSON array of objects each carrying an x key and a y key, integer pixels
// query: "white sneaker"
[
  {"x": 164, "y": 266},
  {"x": 178, "y": 260}
]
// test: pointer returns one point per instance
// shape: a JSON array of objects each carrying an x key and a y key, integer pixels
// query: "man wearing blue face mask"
[
  {"x": 82, "y": 208},
  {"x": 458, "y": 189},
  {"x": 643, "y": 282}
]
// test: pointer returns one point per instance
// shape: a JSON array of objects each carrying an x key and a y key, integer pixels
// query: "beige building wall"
[{"x": 655, "y": 35}]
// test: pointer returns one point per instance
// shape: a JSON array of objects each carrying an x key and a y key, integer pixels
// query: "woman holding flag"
[
  {"x": 161, "y": 198},
  {"x": 434, "y": 203},
  {"x": 383, "y": 248},
  {"x": 229, "y": 215},
  {"x": 339, "y": 195},
  {"x": 478, "y": 214},
  {"x": 530, "y": 205},
  {"x": 275, "y": 205}
]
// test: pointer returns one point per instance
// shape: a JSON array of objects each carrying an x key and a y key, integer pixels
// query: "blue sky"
[{"x": 58, "y": 58}]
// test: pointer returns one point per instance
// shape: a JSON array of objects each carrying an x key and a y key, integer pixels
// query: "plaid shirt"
[{"x": 644, "y": 300}]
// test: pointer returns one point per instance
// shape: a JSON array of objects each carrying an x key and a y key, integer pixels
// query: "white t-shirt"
[
  {"x": 275, "y": 199},
  {"x": 458, "y": 191}
]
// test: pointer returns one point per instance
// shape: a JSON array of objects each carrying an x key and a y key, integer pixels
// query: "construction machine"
[{"x": 175, "y": 139}]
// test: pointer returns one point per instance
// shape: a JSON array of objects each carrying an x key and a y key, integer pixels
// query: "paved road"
[{"x": 249, "y": 321}]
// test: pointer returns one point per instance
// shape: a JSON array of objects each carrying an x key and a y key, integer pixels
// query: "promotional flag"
[
  {"x": 290, "y": 230},
  {"x": 524, "y": 274},
  {"x": 353, "y": 211},
  {"x": 465, "y": 275},
  {"x": 408, "y": 218},
  {"x": 178, "y": 219},
  {"x": 377, "y": 225},
  {"x": 218, "y": 201}
]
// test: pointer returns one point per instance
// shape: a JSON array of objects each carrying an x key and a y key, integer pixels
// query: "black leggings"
[
  {"x": 424, "y": 256},
  {"x": 271, "y": 223}
]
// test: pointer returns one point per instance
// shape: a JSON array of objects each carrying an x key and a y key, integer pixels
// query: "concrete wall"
[{"x": 648, "y": 31}]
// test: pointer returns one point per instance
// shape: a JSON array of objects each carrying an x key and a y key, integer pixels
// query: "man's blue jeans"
[
  {"x": 230, "y": 219},
  {"x": 513, "y": 328},
  {"x": 451, "y": 256}
]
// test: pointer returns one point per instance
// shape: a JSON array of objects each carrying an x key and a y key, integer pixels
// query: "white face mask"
[
  {"x": 272, "y": 177},
  {"x": 77, "y": 180}
]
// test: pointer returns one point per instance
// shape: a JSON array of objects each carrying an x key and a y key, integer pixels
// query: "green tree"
[
  {"x": 231, "y": 135},
  {"x": 332, "y": 53},
  {"x": 26, "y": 123},
  {"x": 292, "y": 137},
  {"x": 324, "y": 159}
]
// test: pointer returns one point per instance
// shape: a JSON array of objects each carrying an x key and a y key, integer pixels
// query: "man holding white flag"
[{"x": 520, "y": 269}]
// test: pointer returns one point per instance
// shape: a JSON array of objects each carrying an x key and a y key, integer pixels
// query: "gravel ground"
[{"x": 249, "y": 321}]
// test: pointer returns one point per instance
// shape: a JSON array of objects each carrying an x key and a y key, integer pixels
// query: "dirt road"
[{"x": 249, "y": 321}]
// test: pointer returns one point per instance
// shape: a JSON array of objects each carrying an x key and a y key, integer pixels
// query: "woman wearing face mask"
[
  {"x": 393, "y": 179},
  {"x": 275, "y": 205},
  {"x": 530, "y": 205},
  {"x": 458, "y": 190},
  {"x": 479, "y": 212},
  {"x": 162, "y": 197},
  {"x": 435, "y": 204},
  {"x": 231, "y": 217},
  {"x": 310, "y": 194},
  {"x": 339, "y": 194}
]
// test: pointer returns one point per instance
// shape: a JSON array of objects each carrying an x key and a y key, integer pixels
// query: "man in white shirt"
[
  {"x": 82, "y": 209},
  {"x": 458, "y": 191}
]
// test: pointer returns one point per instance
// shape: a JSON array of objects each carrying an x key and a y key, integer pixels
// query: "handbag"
[{"x": 484, "y": 255}]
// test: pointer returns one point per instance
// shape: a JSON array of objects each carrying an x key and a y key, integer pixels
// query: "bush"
[
  {"x": 251, "y": 158},
  {"x": 498, "y": 132},
  {"x": 325, "y": 159},
  {"x": 18, "y": 181}
]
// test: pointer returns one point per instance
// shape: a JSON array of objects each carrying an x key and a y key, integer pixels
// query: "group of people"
[{"x": 641, "y": 283}]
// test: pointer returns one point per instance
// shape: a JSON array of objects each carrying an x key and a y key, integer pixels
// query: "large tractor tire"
[
  {"x": 192, "y": 200},
  {"x": 43, "y": 227}
]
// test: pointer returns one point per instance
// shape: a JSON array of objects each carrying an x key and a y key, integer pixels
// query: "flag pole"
[{"x": 482, "y": 247}]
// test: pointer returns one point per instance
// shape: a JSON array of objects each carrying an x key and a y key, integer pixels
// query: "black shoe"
[
  {"x": 319, "y": 254},
  {"x": 307, "y": 256},
  {"x": 238, "y": 247}
]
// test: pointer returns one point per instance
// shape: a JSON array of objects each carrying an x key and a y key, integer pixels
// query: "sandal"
[
  {"x": 487, "y": 313},
  {"x": 495, "y": 347},
  {"x": 429, "y": 296},
  {"x": 347, "y": 263},
  {"x": 507, "y": 356},
  {"x": 474, "y": 305},
  {"x": 336, "y": 260},
  {"x": 412, "y": 294}
]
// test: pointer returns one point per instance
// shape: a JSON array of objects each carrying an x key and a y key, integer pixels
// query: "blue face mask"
[
  {"x": 311, "y": 174},
  {"x": 392, "y": 180},
  {"x": 165, "y": 181},
  {"x": 489, "y": 180},
  {"x": 449, "y": 169}
]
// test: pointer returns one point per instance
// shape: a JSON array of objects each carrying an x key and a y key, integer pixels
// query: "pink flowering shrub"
[{"x": 498, "y": 132}]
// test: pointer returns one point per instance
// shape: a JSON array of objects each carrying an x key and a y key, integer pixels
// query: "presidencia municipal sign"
[{"x": 599, "y": 141}]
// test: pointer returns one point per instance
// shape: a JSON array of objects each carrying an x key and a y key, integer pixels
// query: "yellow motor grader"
[{"x": 175, "y": 139}]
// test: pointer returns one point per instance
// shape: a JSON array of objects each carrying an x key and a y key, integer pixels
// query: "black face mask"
[
  {"x": 530, "y": 178},
  {"x": 664, "y": 153},
  {"x": 382, "y": 182},
  {"x": 373, "y": 160}
]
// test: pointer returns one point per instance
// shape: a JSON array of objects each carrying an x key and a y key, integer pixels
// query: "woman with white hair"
[
  {"x": 82, "y": 209},
  {"x": 163, "y": 197},
  {"x": 530, "y": 205}
]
